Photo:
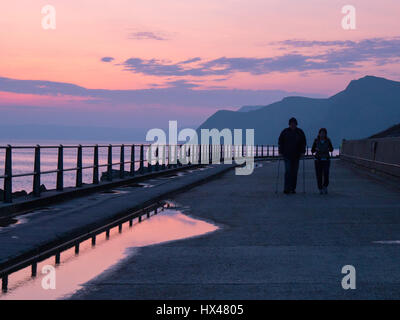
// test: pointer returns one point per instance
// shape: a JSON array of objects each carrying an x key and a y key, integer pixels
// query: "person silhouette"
[
  {"x": 322, "y": 147},
  {"x": 292, "y": 144}
]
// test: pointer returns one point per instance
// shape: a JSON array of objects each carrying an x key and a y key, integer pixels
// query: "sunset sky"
[{"x": 129, "y": 63}]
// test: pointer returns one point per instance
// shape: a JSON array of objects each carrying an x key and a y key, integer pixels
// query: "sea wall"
[{"x": 377, "y": 154}]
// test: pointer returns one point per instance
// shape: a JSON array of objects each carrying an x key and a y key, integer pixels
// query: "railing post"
[
  {"x": 175, "y": 152},
  {"x": 192, "y": 154},
  {"x": 34, "y": 269},
  {"x": 157, "y": 158},
  {"x": 36, "y": 176},
  {"x": 8, "y": 175},
  {"x": 109, "y": 163},
  {"x": 178, "y": 155},
  {"x": 210, "y": 153},
  {"x": 4, "y": 283},
  {"x": 262, "y": 151},
  {"x": 60, "y": 168},
  {"x": 132, "y": 168},
  {"x": 188, "y": 154},
  {"x": 96, "y": 164},
  {"x": 122, "y": 162},
  {"x": 222, "y": 154},
  {"x": 273, "y": 151},
  {"x": 149, "y": 159},
  {"x": 267, "y": 150},
  {"x": 141, "y": 166},
  {"x": 79, "y": 167},
  {"x": 58, "y": 258},
  {"x": 168, "y": 156},
  {"x": 257, "y": 151},
  {"x": 164, "y": 157},
  {"x": 199, "y": 148}
]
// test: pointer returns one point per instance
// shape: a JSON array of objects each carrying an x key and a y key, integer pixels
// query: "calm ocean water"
[{"x": 23, "y": 160}]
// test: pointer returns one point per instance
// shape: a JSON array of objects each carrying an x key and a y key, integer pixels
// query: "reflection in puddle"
[{"x": 76, "y": 270}]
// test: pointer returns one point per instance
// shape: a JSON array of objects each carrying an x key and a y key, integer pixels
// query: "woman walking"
[{"x": 322, "y": 147}]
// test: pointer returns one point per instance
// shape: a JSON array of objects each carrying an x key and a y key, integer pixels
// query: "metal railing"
[
  {"x": 394, "y": 165},
  {"x": 149, "y": 159},
  {"x": 34, "y": 257}
]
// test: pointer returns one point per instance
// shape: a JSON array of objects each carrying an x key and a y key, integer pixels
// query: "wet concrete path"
[
  {"x": 70, "y": 218},
  {"x": 77, "y": 268},
  {"x": 271, "y": 246}
]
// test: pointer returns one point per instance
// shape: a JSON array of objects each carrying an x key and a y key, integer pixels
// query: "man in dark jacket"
[{"x": 292, "y": 144}]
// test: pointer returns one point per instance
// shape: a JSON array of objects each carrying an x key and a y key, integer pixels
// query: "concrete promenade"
[
  {"x": 50, "y": 225},
  {"x": 271, "y": 246}
]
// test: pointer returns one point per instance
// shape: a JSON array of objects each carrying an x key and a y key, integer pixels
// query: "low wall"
[{"x": 381, "y": 154}]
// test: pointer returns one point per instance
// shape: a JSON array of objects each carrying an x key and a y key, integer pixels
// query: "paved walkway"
[
  {"x": 271, "y": 246},
  {"x": 45, "y": 227}
]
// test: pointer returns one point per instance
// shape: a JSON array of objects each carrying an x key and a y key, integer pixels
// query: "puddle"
[
  {"x": 8, "y": 222},
  {"x": 169, "y": 176},
  {"x": 388, "y": 242},
  {"x": 11, "y": 222},
  {"x": 206, "y": 168},
  {"x": 172, "y": 175},
  {"x": 75, "y": 270},
  {"x": 137, "y": 185},
  {"x": 42, "y": 209},
  {"x": 114, "y": 191}
]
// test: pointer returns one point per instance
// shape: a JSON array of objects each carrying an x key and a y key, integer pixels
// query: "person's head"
[
  {"x": 323, "y": 133},
  {"x": 292, "y": 123}
]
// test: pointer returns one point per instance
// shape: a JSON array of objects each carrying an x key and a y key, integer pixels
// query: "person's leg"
[
  {"x": 326, "y": 173},
  {"x": 318, "y": 173},
  {"x": 287, "y": 175},
  {"x": 295, "y": 171}
]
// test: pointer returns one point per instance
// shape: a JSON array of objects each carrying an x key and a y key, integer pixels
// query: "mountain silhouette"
[
  {"x": 368, "y": 105},
  {"x": 391, "y": 132}
]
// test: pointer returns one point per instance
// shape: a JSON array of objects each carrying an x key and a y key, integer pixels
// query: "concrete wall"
[{"x": 378, "y": 154}]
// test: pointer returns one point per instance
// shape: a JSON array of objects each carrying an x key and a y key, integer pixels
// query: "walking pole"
[
  {"x": 277, "y": 178},
  {"x": 304, "y": 176}
]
